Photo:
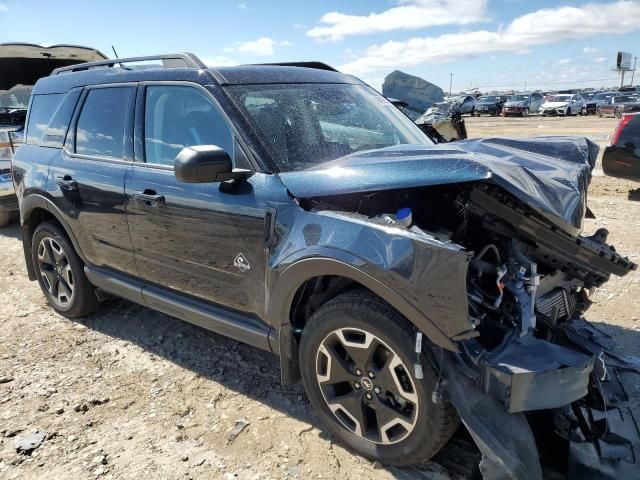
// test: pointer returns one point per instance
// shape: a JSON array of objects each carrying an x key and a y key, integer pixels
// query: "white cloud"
[
  {"x": 409, "y": 15},
  {"x": 564, "y": 61},
  {"x": 263, "y": 46},
  {"x": 590, "y": 50},
  {"x": 242, "y": 6},
  {"x": 3, "y": 8},
  {"x": 600, "y": 59},
  {"x": 536, "y": 28}
]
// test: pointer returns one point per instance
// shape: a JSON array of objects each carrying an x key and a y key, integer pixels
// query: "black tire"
[
  {"x": 617, "y": 113},
  {"x": 599, "y": 112},
  {"x": 54, "y": 258},
  {"x": 361, "y": 311},
  {"x": 568, "y": 112},
  {"x": 525, "y": 112}
]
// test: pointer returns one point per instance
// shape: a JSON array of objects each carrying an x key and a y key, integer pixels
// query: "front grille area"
[{"x": 557, "y": 304}]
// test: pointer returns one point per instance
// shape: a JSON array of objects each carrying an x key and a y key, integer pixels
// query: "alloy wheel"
[
  {"x": 55, "y": 272},
  {"x": 367, "y": 386}
]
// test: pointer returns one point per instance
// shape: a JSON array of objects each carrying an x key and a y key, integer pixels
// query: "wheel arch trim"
[
  {"x": 293, "y": 277},
  {"x": 35, "y": 201}
]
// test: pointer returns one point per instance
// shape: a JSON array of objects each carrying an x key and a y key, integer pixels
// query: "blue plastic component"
[{"x": 403, "y": 213}]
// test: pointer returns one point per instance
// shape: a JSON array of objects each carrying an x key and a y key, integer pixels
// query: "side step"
[{"x": 243, "y": 328}]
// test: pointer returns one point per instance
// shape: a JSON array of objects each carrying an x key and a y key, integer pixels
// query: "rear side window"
[
  {"x": 177, "y": 117},
  {"x": 56, "y": 131},
  {"x": 42, "y": 109},
  {"x": 101, "y": 125}
]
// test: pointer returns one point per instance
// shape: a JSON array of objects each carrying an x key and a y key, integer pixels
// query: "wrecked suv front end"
[{"x": 493, "y": 264}]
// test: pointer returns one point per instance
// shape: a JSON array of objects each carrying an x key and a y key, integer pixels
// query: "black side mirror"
[{"x": 205, "y": 164}]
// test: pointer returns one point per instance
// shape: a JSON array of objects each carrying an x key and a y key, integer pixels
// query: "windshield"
[
  {"x": 559, "y": 98},
  {"x": 410, "y": 112},
  {"x": 490, "y": 98},
  {"x": 519, "y": 98},
  {"x": 603, "y": 96},
  {"x": 304, "y": 125},
  {"x": 16, "y": 97}
]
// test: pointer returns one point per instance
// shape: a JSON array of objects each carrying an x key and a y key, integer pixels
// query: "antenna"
[{"x": 114, "y": 51}]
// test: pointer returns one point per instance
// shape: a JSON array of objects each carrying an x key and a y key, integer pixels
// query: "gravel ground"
[{"x": 128, "y": 393}]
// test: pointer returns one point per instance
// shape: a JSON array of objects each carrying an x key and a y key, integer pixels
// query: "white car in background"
[{"x": 563, "y": 104}]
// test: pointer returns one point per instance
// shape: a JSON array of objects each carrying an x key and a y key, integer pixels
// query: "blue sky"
[{"x": 484, "y": 43}]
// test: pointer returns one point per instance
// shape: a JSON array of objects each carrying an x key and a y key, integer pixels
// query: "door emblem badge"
[{"x": 241, "y": 263}]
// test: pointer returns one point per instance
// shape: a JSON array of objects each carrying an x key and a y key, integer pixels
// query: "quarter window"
[
  {"x": 42, "y": 109},
  {"x": 177, "y": 117},
  {"x": 101, "y": 125}
]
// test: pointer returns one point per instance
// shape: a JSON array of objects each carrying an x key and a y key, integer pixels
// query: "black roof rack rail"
[
  {"x": 189, "y": 60},
  {"x": 316, "y": 65}
]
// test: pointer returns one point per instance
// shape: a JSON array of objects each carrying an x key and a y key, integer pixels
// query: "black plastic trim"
[{"x": 243, "y": 328}]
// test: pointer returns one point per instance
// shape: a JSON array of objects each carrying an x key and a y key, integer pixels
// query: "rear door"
[
  {"x": 86, "y": 178},
  {"x": 198, "y": 239}
]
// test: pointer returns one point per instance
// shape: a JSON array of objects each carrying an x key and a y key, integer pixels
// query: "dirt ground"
[{"x": 128, "y": 393}]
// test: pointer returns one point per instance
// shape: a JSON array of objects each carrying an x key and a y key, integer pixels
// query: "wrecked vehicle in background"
[
  {"x": 410, "y": 285},
  {"x": 522, "y": 104},
  {"x": 440, "y": 125},
  {"x": 21, "y": 65},
  {"x": 444, "y": 122}
]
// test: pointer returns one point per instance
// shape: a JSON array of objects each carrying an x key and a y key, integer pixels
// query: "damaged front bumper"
[{"x": 563, "y": 404}]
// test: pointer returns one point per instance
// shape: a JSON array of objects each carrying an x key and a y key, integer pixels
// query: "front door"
[
  {"x": 193, "y": 238},
  {"x": 86, "y": 178}
]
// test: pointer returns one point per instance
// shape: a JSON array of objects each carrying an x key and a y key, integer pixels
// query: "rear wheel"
[
  {"x": 60, "y": 272},
  {"x": 356, "y": 356},
  {"x": 599, "y": 112}
]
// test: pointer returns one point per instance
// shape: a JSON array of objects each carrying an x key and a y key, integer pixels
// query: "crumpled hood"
[
  {"x": 551, "y": 174},
  {"x": 554, "y": 105}
]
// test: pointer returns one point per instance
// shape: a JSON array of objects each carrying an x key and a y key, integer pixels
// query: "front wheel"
[
  {"x": 617, "y": 113},
  {"x": 357, "y": 359},
  {"x": 599, "y": 112},
  {"x": 525, "y": 112},
  {"x": 60, "y": 272}
]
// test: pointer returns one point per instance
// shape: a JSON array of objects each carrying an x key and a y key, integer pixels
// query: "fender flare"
[
  {"x": 28, "y": 204},
  {"x": 292, "y": 278}
]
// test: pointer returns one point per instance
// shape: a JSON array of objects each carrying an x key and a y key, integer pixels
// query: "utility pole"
[
  {"x": 633, "y": 73},
  {"x": 450, "y": 82}
]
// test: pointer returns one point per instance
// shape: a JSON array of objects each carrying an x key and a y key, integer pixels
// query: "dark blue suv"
[{"x": 293, "y": 208}]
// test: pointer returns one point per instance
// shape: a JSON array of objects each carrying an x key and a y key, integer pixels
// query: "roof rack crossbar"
[{"x": 189, "y": 59}]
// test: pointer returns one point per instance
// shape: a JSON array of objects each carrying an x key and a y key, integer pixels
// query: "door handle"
[
  {"x": 67, "y": 183},
  {"x": 150, "y": 197}
]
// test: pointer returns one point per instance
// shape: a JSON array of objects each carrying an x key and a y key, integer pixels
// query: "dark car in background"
[
  {"x": 622, "y": 158},
  {"x": 618, "y": 105},
  {"x": 21, "y": 65},
  {"x": 522, "y": 104},
  {"x": 489, "y": 105},
  {"x": 591, "y": 105}
]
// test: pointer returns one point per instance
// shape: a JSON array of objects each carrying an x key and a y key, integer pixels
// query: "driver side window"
[{"x": 180, "y": 116}]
